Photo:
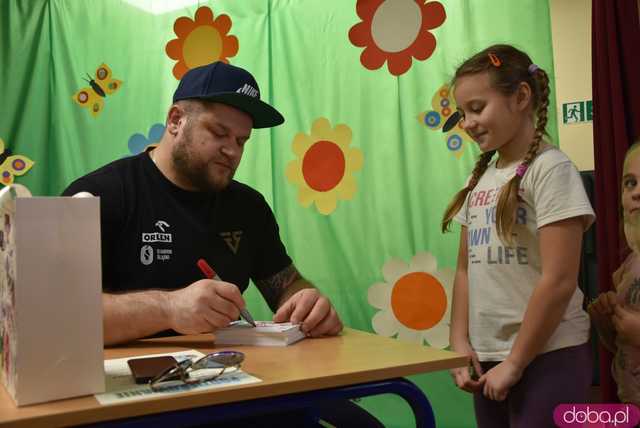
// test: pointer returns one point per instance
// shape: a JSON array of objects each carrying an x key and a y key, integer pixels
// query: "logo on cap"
[{"x": 248, "y": 90}]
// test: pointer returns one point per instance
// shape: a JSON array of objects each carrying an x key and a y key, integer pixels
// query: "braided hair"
[{"x": 508, "y": 67}]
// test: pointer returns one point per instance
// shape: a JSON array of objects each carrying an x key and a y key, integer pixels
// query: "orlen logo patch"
[{"x": 596, "y": 415}]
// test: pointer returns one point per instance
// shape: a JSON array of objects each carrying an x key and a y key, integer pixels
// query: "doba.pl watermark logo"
[{"x": 596, "y": 415}]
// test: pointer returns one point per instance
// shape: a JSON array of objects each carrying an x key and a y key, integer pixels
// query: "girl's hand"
[
  {"x": 601, "y": 309},
  {"x": 499, "y": 380},
  {"x": 461, "y": 375},
  {"x": 601, "y": 313},
  {"x": 627, "y": 325}
]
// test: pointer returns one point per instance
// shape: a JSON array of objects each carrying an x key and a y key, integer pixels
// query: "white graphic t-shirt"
[{"x": 503, "y": 277}]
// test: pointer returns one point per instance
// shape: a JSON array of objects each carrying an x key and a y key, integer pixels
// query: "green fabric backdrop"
[{"x": 306, "y": 65}]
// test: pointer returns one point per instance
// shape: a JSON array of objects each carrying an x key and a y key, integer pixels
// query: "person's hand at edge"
[{"x": 313, "y": 311}]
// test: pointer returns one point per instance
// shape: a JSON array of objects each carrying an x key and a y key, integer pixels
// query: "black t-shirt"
[{"x": 153, "y": 232}]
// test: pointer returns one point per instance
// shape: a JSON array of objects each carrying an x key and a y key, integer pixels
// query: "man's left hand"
[{"x": 313, "y": 310}]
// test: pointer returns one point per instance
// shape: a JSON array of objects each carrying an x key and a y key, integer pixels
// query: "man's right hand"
[
  {"x": 204, "y": 306},
  {"x": 461, "y": 375}
]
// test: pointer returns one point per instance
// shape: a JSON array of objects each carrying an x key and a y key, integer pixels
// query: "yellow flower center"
[
  {"x": 202, "y": 46},
  {"x": 418, "y": 300},
  {"x": 323, "y": 166}
]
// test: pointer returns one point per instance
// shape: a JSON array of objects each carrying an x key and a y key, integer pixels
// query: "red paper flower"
[{"x": 395, "y": 31}]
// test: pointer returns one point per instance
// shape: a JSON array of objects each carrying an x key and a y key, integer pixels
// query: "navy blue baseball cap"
[{"x": 227, "y": 84}]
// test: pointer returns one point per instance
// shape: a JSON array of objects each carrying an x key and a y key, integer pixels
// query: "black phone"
[
  {"x": 145, "y": 369},
  {"x": 473, "y": 373}
]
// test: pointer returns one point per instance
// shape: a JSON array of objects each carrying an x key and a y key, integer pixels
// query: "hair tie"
[
  {"x": 494, "y": 59},
  {"x": 533, "y": 68},
  {"x": 521, "y": 169}
]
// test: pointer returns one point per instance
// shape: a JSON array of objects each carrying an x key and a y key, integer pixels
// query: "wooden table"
[{"x": 352, "y": 358}]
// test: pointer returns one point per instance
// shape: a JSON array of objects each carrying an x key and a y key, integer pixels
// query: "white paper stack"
[{"x": 265, "y": 333}]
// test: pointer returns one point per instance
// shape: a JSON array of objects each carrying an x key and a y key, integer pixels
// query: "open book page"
[{"x": 266, "y": 333}]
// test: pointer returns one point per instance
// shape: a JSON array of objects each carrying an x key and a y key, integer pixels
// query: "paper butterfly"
[
  {"x": 11, "y": 165},
  {"x": 444, "y": 115},
  {"x": 92, "y": 96}
]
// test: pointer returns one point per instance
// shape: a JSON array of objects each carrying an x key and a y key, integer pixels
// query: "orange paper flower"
[
  {"x": 201, "y": 41},
  {"x": 414, "y": 300},
  {"x": 394, "y": 31}
]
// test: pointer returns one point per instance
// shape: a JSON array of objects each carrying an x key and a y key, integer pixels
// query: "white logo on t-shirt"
[
  {"x": 146, "y": 255},
  {"x": 161, "y": 224},
  {"x": 158, "y": 236}
]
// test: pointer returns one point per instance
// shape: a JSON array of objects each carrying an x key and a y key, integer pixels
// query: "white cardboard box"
[{"x": 50, "y": 297}]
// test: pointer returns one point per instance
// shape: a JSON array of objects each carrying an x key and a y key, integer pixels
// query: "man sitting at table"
[{"x": 164, "y": 209}]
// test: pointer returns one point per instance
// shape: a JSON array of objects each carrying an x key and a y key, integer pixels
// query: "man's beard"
[{"x": 195, "y": 171}]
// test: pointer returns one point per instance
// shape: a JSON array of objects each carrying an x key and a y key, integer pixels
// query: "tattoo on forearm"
[{"x": 274, "y": 287}]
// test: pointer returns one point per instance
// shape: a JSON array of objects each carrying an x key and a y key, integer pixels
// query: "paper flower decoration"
[
  {"x": 201, "y": 41},
  {"x": 138, "y": 142},
  {"x": 414, "y": 301},
  {"x": 324, "y": 166},
  {"x": 395, "y": 31}
]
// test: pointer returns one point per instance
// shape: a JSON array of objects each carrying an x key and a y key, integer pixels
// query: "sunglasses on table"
[{"x": 207, "y": 368}]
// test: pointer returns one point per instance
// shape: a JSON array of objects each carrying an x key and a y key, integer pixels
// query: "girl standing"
[
  {"x": 517, "y": 310},
  {"x": 616, "y": 314}
]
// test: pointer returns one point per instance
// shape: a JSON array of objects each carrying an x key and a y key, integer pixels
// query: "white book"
[{"x": 266, "y": 333}]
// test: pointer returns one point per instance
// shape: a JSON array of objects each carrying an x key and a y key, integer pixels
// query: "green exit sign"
[{"x": 577, "y": 112}]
